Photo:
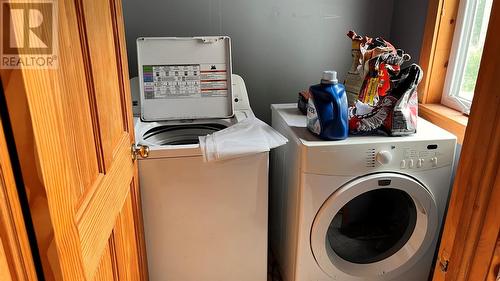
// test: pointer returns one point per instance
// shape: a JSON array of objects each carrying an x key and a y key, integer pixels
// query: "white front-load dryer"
[{"x": 364, "y": 208}]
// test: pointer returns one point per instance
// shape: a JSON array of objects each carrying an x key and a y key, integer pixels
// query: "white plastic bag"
[{"x": 247, "y": 137}]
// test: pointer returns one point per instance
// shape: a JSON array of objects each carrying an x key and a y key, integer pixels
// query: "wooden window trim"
[
  {"x": 434, "y": 56},
  {"x": 450, "y": 119}
]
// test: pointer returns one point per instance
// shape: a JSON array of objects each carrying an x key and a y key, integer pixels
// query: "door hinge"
[
  {"x": 443, "y": 265},
  {"x": 139, "y": 150}
]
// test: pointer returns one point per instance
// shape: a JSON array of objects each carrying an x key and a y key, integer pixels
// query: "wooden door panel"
[
  {"x": 119, "y": 260},
  {"x": 105, "y": 271},
  {"x": 73, "y": 139},
  {"x": 97, "y": 220},
  {"x": 79, "y": 118},
  {"x": 77, "y": 108},
  {"x": 124, "y": 237},
  {"x": 24, "y": 133},
  {"x": 110, "y": 99},
  {"x": 5, "y": 274},
  {"x": 15, "y": 252},
  {"x": 494, "y": 268},
  {"x": 105, "y": 200}
]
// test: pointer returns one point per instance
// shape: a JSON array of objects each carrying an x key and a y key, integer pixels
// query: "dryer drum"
[{"x": 373, "y": 226}]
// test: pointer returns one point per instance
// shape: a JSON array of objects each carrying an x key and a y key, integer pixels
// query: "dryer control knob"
[{"x": 384, "y": 157}]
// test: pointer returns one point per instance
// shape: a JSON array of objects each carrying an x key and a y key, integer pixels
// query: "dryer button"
[
  {"x": 420, "y": 163},
  {"x": 411, "y": 164},
  {"x": 434, "y": 161},
  {"x": 402, "y": 165}
]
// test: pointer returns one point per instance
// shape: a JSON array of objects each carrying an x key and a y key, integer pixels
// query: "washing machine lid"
[
  {"x": 185, "y": 78},
  {"x": 375, "y": 227}
]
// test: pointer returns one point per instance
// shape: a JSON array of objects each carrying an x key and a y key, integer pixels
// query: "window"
[
  {"x": 452, "y": 47},
  {"x": 466, "y": 52}
]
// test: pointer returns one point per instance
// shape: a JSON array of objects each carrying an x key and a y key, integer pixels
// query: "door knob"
[{"x": 139, "y": 150}]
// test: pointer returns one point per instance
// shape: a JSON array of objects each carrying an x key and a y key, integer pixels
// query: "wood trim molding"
[
  {"x": 139, "y": 228},
  {"x": 120, "y": 45},
  {"x": 434, "y": 57},
  {"x": 472, "y": 225},
  {"x": 494, "y": 270},
  {"x": 436, "y": 48},
  {"x": 90, "y": 84},
  {"x": 449, "y": 119},
  {"x": 4, "y": 266},
  {"x": 13, "y": 236}
]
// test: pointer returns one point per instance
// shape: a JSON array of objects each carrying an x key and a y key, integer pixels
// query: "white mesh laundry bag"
[{"x": 247, "y": 137}]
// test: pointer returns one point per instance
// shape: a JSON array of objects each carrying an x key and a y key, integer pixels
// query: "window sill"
[{"x": 449, "y": 119}]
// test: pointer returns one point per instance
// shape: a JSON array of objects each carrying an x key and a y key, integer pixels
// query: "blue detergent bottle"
[{"x": 327, "y": 108}]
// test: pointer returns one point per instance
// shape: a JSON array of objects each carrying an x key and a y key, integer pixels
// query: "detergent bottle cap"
[{"x": 329, "y": 77}]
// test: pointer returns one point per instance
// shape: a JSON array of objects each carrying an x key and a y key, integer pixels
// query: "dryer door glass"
[
  {"x": 372, "y": 226},
  {"x": 378, "y": 224}
]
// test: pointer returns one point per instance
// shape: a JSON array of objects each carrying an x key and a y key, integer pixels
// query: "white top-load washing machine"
[
  {"x": 364, "y": 208},
  {"x": 202, "y": 221}
]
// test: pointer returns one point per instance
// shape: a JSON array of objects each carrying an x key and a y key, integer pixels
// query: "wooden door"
[
  {"x": 469, "y": 245},
  {"x": 73, "y": 132},
  {"x": 16, "y": 261}
]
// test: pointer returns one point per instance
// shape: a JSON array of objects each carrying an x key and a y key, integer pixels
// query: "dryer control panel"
[
  {"x": 374, "y": 157},
  {"x": 415, "y": 159}
]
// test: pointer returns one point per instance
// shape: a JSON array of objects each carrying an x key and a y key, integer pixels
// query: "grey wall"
[
  {"x": 279, "y": 47},
  {"x": 407, "y": 27}
]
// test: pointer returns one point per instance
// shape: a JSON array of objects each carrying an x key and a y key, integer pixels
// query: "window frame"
[
  {"x": 434, "y": 59},
  {"x": 458, "y": 57}
]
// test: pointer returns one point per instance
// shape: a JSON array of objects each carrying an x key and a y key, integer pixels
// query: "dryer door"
[{"x": 374, "y": 227}]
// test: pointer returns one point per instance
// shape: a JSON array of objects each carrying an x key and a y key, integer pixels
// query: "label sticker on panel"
[
  {"x": 214, "y": 80},
  {"x": 185, "y": 81}
]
